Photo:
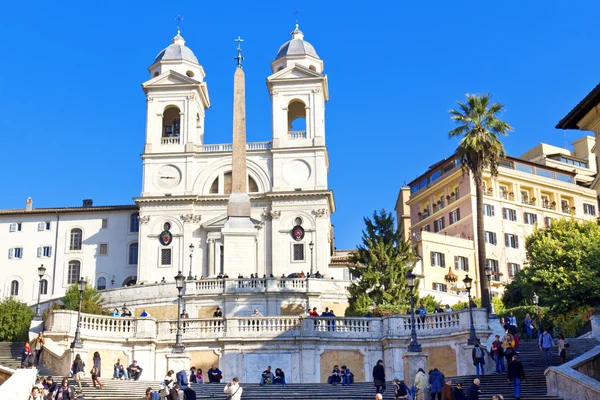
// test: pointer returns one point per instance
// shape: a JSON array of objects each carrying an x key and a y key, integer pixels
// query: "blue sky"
[{"x": 73, "y": 110}]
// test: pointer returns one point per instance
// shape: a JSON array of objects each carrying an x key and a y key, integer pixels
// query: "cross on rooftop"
[
  {"x": 239, "y": 57},
  {"x": 178, "y": 19}
]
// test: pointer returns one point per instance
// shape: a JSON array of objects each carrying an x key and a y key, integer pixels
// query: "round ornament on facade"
[
  {"x": 165, "y": 238},
  {"x": 296, "y": 172},
  {"x": 167, "y": 176},
  {"x": 298, "y": 233}
]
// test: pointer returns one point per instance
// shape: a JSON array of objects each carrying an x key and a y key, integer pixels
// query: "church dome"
[
  {"x": 177, "y": 51},
  {"x": 297, "y": 46}
]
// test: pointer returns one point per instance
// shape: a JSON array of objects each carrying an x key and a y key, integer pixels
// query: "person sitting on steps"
[
  {"x": 279, "y": 377},
  {"x": 266, "y": 377},
  {"x": 347, "y": 376},
  {"x": 335, "y": 376},
  {"x": 134, "y": 371},
  {"x": 119, "y": 370},
  {"x": 214, "y": 374}
]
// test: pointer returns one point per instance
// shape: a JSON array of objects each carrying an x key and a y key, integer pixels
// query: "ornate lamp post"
[
  {"x": 112, "y": 281},
  {"x": 190, "y": 276},
  {"x": 414, "y": 346},
  {"x": 311, "y": 245},
  {"x": 488, "y": 273},
  {"x": 179, "y": 283},
  {"x": 472, "y": 337},
  {"x": 77, "y": 343},
  {"x": 41, "y": 273},
  {"x": 536, "y": 301}
]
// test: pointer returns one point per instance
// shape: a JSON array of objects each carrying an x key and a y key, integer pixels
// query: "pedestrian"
[
  {"x": 498, "y": 353},
  {"x": 64, "y": 391},
  {"x": 517, "y": 342},
  {"x": 78, "y": 370},
  {"x": 233, "y": 389},
  {"x": 447, "y": 393},
  {"x": 474, "y": 390},
  {"x": 51, "y": 387},
  {"x": 38, "y": 346},
  {"x": 95, "y": 380},
  {"x": 25, "y": 353},
  {"x": 545, "y": 343},
  {"x": 512, "y": 323},
  {"x": 401, "y": 391},
  {"x": 528, "y": 325},
  {"x": 563, "y": 344},
  {"x": 379, "y": 377},
  {"x": 97, "y": 363},
  {"x": 516, "y": 374},
  {"x": 436, "y": 380},
  {"x": 422, "y": 385},
  {"x": 478, "y": 356},
  {"x": 459, "y": 392},
  {"x": 35, "y": 394},
  {"x": 509, "y": 347}
]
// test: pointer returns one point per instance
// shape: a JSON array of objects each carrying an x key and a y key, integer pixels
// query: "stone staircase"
[
  {"x": 10, "y": 356},
  {"x": 534, "y": 386}
]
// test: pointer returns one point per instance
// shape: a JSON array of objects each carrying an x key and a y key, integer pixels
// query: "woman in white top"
[{"x": 562, "y": 348}]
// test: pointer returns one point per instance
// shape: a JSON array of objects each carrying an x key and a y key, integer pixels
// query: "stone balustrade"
[
  {"x": 227, "y": 147},
  {"x": 297, "y": 135},
  {"x": 170, "y": 140},
  {"x": 255, "y": 285},
  {"x": 252, "y": 328}
]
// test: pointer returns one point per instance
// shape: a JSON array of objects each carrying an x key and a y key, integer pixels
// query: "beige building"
[{"x": 443, "y": 223}]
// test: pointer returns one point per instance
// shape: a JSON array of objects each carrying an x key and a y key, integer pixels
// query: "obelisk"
[{"x": 239, "y": 233}]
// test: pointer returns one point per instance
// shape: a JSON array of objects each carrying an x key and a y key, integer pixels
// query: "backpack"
[
  {"x": 478, "y": 352},
  {"x": 155, "y": 395},
  {"x": 182, "y": 378}
]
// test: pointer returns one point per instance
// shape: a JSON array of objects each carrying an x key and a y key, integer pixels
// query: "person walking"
[
  {"x": 401, "y": 391},
  {"x": 563, "y": 344},
  {"x": 459, "y": 392},
  {"x": 38, "y": 346},
  {"x": 498, "y": 353},
  {"x": 478, "y": 356},
  {"x": 509, "y": 347},
  {"x": 379, "y": 377},
  {"x": 545, "y": 343},
  {"x": 436, "y": 380},
  {"x": 35, "y": 394},
  {"x": 447, "y": 393},
  {"x": 78, "y": 370},
  {"x": 422, "y": 384},
  {"x": 528, "y": 325},
  {"x": 512, "y": 323},
  {"x": 98, "y": 363},
  {"x": 26, "y": 352},
  {"x": 516, "y": 374},
  {"x": 95, "y": 380},
  {"x": 474, "y": 391}
]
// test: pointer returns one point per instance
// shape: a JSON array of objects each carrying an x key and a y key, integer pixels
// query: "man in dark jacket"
[
  {"x": 474, "y": 390},
  {"x": 379, "y": 377},
  {"x": 478, "y": 356},
  {"x": 134, "y": 371},
  {"x": 436, "y": 380},
  {"x": 459, "y": 393},
  {"x": 447, "y": 393},
  {"x": 516, "y": 374}
]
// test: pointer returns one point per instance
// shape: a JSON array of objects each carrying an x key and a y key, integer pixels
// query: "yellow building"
[{"x": 443, "y": 228}]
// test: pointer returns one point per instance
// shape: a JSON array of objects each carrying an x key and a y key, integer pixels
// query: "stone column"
[
  {"x": 211, "y": 257},
  {"x": 412, "y": 363}
]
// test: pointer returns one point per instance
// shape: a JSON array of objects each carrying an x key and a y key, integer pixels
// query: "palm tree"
[{"x": 479, "y": 149}]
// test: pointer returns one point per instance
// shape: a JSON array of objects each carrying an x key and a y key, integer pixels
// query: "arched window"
[
  {"x": 297, "y": 117},
  {"x": 101, "y": 283},
  {"x": 171, "y": 121},
  {"x": 74, "y": 271},
  {"x": 44, "y": 286},
  {"x": 312, "y": 68},
  {"x": 130, "y": 281},
  {"x": 76, "y": 239},
  {"x": 214, "y": 188},
  {"x": 227, "y": 184},
  {"x": 133, "y": 253},
  {"x": 227, "y": 181},
  {"x": 252, "y": 186},
  {"x": 134, "y": 222},
  {"x": 14, "y": 288}
]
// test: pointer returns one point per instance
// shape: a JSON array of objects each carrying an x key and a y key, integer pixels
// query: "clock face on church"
[{"x": 167, "y": 176}]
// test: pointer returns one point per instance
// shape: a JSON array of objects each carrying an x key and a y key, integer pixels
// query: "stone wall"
[
  {"x": 350, "y": 358},
  {"x": 568, "y": 382},
  {"x": 439, "y": 357}
]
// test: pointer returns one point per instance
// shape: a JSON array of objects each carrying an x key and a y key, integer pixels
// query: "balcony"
[
  {"x": 170, "y": 140},
  {"x": 567, "y": 209},
  {"x": 228, "y": 147},
  {"x": 549, "y": 206},
  {"x": 528, "y": 201},
  {"x": 293, "y": 135},
  {"x": 424, "y": 215}
]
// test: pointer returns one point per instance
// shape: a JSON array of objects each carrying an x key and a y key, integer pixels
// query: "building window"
[
  {"x": 493, "y": 264},
  {"x": 488, "y": 210},
  {"x": 133, "y": 254},
  {"x": 530, "y": 218},
  {"x": 101, "y": 283},
  {"x": 44, "y": 286},
  {"x": 440, "y": 287},
  {"x": 461, "y": 263},
  {"x": 438, "y": 224},
  {"x": 548, "y": 221},
  {"x": 298, "y": 250},
  {"x": 14, "y": 288},
  {"x": 427, "y": 228},
  {"x": 589, "y": 209},
  {"x": 134, "y": 223},
  {"x": 511, "y": 240},
  {"x": 513, "y": 268},
  {"x": 16, "y": 227},
  {"x": 15, "y": 252},
  {"x": 44, "y": 251},
  {"x": 76, "y": 239},
  {"x": 438, "y": 259},
  {"x": 43, "y": 226},
  {"x": 503, "y": 192},
  {"x": 103, "y": 249},
  {"x": 490, "y": 238},
  {"x": 104, "y": 223},
  {"x": 171, "y": 125},
  {"x": 509, "y": 214},
  {"x": 74, "y": 272},
  {"x": 454, "y": 216},
  {"x": 165, "y": 257}
]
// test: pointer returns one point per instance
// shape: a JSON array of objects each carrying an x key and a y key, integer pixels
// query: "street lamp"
[
  {"x": 190, "y": 276},
  {"x": 488, "y": 273},
  {"x": 112, "y": 281},
  {"x": 41, "y": 273},
  {"x": 414, "y": 346},
  {"x": 77, "y": 343},
  {"x": 179, "y": 284},
  {"x": 472, "y": 337},
  {"x": 536, "y": 301},
  {"x": 311, "y": 246}
]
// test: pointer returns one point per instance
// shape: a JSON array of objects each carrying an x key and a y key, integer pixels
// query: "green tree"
[
  {"x": 564, "y": 267},
  {"x": 381, "y": 263},
  {"x": 91, "y": 304},
  {"x": 15, "y": 319},
  {"x": 479, "y": 150}
]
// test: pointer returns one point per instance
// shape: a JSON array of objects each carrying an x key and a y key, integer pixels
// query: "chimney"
[
  {"x": 88, "y": 203},
  {"x": 29, "y": 204}
]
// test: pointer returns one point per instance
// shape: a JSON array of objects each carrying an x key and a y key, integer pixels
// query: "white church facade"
[{"x": 186, "y": 185}]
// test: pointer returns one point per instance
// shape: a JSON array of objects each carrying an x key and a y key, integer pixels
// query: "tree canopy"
[
  {"x": 564, "y": 269},
  {"x": 15, "y": 319},
  {"x": 91, "y": 303},
  {"x": 381, "y": 263}
]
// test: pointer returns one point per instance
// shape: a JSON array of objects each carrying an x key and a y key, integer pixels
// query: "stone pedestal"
[
  {"x": 412, "y": 363},
  {"x": 239, "y": 243},
  {"x": 464, "y": 359},
  {"x": 178, "y": 362}
]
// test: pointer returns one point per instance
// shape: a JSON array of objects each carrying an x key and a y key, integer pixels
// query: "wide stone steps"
[{"x": 10, "y": 356}]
